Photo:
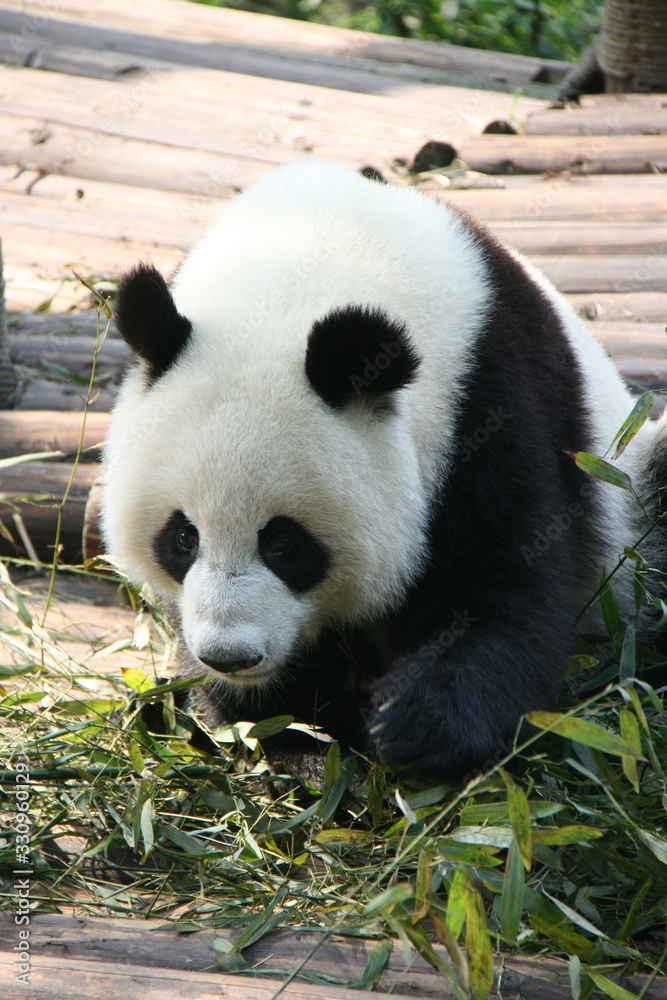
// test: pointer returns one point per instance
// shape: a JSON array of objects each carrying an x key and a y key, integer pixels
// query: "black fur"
[
  {"x": 176, "y": 546},
  {"x": 293, "y": 553},
  {"x": 358, "y": 352},
  {"x": 148, "y": 320},
  {"x": 483, "y": 636}
]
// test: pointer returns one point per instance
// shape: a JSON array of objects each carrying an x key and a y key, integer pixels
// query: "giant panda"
[{"x": 342, "y": 458}]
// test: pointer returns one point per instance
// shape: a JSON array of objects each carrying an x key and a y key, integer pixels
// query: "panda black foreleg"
[{"x": 447, "y": 716}]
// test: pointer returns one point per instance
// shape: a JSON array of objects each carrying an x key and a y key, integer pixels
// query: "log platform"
[{"x": 125, "y": 127}]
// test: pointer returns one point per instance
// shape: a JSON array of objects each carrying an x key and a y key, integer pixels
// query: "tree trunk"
[
  {"x": 9, "y": 384},
  {"x": 632, "y": 47}
]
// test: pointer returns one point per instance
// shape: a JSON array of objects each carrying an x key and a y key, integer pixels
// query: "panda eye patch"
[
  {"x": 176, "y": 545},
  {"x": 293, "y": 553}
]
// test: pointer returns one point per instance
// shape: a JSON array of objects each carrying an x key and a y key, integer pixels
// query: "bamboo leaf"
[
  {"x": 331, "y": 769},
  {"x": 655, "y": 844},
  {"x": 638, "y": 416},
  {"x": 344, "y": 838},
  {"x": 574, "y": 969},
  {"x": 630, "y": 733},
  {"x": 387, "y": 900},
  {"x": 599, "y": 469},
  {"x": 136, "y": 757},
  {"x": 575, "y": 917},
  {"x": 374, "y": 792},
  {"x": 468, "y": 854},
  {"x": 376, "y": 962},
  {"x": 457, "y": 900},
  {"x": 478, "y": 948},
  {"x": 612, "y": 989},
  {"x": 511, "y": 902},
  {"x": 260, "y": 925},
  {"x": 35, "y": 456},
  {"x": 269, "y": 727},
  {"x": 457, "y": 956},
  {"x": 146, "y": 825},
  {"x": 588, "y": 733},
  {"x": 560, "y": 835},
  {"x": 422, "y": 887},
  {"x": 609, "y": 608},
  {"x": 564, "y": 936},
  {"x": 424, "y": 947},
  {"x": 520, "y": 819},
  {"x": 137, "y": 679}
]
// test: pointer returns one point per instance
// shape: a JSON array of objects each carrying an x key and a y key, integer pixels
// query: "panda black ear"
[
  {"x": 148, "y": 320},
  {"x": 358, "y": 352}
]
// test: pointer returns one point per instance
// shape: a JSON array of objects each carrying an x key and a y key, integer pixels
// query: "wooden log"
[
  {"x": 106, "y": 219},
  {"x": 573, "y": 237},
  {"x": 146, "y": 945},
  {"x": 48, "y": 480},
  {"x": 642, "y": 102},
  {"x": 49, "y": 324},
  {"x": 78, "y": 152},
  {"x": 43, "y": 395},
  {"x": 18, "y": 51},
  {"x": 642, "y": 307},
  {"x": 605, "y": 273},
  {"x": 611, "y": 118},
  {"x": 564, "y": 198},
  {"x": 75, "y": 354},
  {"x": 634, "y": 342},
  {"x": 596, "y": 154},
  {"x": 77, "y": 979},
  {"x": 24, "y": 432},
  {"x": 302, "y": 51}
]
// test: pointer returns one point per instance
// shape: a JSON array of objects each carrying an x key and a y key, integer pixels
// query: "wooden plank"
[
  {"x": 49, "y": 480},
  {"x": 611, "y": 118},
  {"x": 25, "y": 431},
  {"x": 632, "y": 341},
  {"x": 59, "y": 149},
  {"x": 569, "y": 198},
  {"x": 573, "y": 237},
  {"x": 73, "y": 353},
  {"x": 640, "y": 101},
  {"x": 598, "y": 154},
  {"x": 77, "y": 979},
  {"x": 18, "y": 51},
  {"x": 605, "y": 273},
  {"x": 157, "y": 945},
  {"x": 105, "y": 218},
  {"x": 649, "y": 307},
  {"x": 61, "y": 396},
  {"x": 275, "y": 46},
  {"x": 221, "y": 113}
]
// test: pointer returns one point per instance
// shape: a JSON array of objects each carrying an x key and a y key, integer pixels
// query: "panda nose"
[{"x": 230, "y": 664}]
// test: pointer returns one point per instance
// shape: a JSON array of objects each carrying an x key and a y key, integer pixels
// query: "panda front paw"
[
  {"x": 403, "y": 733},
  {"x": 432, "y": 731}
]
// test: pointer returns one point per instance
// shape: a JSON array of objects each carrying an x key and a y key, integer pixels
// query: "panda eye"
[
  {"x": 293, "y": 553},
  {"x": 176, "y": 545},
  {"x": 187, "y": 538},
  {"x": 280, "y": 544}
]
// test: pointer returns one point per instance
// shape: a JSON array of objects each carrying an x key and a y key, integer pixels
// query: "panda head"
[{"x": 266, "y": 470}]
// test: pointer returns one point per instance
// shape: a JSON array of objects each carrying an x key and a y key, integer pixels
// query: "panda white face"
[
  {"x": 259, "y": 542},
  {"x": 273, "y": 452}
]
